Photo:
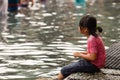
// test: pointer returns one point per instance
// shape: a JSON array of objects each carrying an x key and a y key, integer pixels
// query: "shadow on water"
[{"x": 42, "y": 39}]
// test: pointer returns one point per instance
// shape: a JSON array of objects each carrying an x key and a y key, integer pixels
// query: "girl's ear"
[{"x": 86, "y": 29}]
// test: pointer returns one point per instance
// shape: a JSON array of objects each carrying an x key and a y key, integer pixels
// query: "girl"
[{"x": 94, "y": 58}]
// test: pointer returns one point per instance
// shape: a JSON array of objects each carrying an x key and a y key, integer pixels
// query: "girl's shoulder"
[{"x": 93, "y": 38}]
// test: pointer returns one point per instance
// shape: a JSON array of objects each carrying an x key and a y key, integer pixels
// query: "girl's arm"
[{"x": 85, "y": 55}]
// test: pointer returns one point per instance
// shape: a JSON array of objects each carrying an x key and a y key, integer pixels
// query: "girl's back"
[{"x": 95, "y": 45}]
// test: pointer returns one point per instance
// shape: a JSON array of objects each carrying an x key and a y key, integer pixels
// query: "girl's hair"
[{"x": 90, "y": 23}]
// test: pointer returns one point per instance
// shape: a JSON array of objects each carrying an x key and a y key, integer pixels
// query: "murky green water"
[{"x": 41, "y": 42}]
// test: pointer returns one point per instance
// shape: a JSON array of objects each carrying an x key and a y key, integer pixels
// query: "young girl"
[{"x": 94, "y": 58}]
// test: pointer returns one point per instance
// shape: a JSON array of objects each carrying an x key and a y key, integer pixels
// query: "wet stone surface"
[{"x": 105, "y": 74}]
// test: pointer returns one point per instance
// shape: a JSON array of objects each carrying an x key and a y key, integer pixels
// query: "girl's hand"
[{"x": 77, "y": 54}]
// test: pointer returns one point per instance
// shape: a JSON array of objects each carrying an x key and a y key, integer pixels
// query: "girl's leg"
[
  {"x": 60, "y": 76},
  {"x": 80, "y": 66},
  {"x": 67, "y": 70}
]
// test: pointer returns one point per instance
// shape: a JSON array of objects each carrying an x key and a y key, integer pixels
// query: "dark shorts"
[{"x": 80, "y": 66}]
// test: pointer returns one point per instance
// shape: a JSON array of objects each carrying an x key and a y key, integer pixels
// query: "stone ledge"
[
  {"x": 105, "y": 74},
  {"x": 45, "y": 79}
]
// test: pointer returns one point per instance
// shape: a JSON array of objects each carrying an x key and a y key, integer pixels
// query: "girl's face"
[{"x": 83, "y": 30}]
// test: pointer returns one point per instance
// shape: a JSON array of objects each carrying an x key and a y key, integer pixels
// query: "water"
[{"x": 41, "y": 40}]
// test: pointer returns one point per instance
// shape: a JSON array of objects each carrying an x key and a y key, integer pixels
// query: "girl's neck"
[{"x": 87, "y": 35}]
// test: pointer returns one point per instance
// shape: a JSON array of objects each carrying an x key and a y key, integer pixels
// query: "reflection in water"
[
  {"x": 3, "y": 22},
  {"x": 42, "y": 41},
  {"x": 3, "y": 15},
  {"x": 3, "y": 26},
  {"x": 3, "y": 6},
  {"x": 3, "y": 18}
]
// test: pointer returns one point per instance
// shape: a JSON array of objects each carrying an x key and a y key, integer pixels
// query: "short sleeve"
[{"x": 92, "y": 45}]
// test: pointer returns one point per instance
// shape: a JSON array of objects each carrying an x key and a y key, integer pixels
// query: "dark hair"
[
  {"x": 90, "y": 23},
  {"x": 99, "y": 29}
]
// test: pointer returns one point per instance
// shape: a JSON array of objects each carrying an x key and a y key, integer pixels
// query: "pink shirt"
[{"x": 95, "y": 45}]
